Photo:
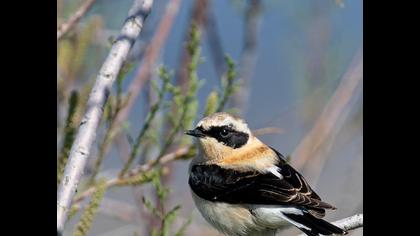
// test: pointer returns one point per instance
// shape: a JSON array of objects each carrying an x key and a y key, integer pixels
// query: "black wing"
[{"x": 214, "y": 183}]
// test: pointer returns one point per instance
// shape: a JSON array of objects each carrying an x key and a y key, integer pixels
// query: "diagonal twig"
[
  {"x": 180, "y": 152},
  {"x": 329, "y": 116},
  {"x": 72, "y": 21}
]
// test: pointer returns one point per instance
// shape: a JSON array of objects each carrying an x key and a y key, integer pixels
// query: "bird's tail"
[{"x": 313, "y": 226}]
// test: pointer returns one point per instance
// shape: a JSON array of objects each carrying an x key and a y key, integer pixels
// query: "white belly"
[{"x": 232, "y": 219}]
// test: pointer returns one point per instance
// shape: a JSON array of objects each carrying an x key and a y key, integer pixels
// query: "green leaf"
[
  {"x": 169, "y": 219},
  {"x": 184, "y": 226},
  {"x": 212, "y": 103},
  {"x": 83, "y": 226}
]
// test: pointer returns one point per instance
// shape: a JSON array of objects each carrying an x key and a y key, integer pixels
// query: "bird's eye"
[{"x": 224, "y": 133}]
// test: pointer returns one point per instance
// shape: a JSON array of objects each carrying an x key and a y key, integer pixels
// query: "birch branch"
[
  {"x": 67, "y": 26},
  {"x": 349, "y": 223},
  {"x": 144, "y": 73},
  {"x": 97, "y": 99}
]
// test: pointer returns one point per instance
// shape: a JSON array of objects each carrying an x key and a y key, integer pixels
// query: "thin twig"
[
  {"x": 87, "y": 131},
  {"x": 349, "y": 223},
  {"x": 137, "y": 170},
  {"x": 267, "y": 130},
  {"x": 329, "y": 116},
  {"x": 147, "y": 124},
  {"x": 67, "y": 26}
]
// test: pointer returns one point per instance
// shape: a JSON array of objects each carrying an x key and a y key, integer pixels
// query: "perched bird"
[{"x": 243, "y": 187}]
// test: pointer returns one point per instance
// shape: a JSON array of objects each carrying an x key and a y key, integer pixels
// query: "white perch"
[
  {"x": 349, "y": 223},
  {"x": 86, "y": 135}
]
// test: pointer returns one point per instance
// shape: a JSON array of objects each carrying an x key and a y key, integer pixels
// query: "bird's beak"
[{"x": 195, "y": 132}]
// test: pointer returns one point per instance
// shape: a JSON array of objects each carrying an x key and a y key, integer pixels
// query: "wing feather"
[{"x": 215, "y": 183}]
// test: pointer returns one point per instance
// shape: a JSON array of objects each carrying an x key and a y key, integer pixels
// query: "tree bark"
[{"x": 97, "y": 99}]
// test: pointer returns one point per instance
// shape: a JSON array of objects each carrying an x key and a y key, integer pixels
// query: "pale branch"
[
  {"x": 349, "y": 223},
  {"x": 145, "y": 71},
  {"x": 267, "y": 130},
  {"x": 137, "y": 170},
  {"x": 97, "y": 99},
  {"x": 72, "y": 21},
  {"x": 331, "y": 113}
]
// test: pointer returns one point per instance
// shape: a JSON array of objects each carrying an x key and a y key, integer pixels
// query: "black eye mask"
[{"x": 226, "y": 135}]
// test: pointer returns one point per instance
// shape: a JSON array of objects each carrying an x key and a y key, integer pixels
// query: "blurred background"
[{"x": 299, "y": 85}]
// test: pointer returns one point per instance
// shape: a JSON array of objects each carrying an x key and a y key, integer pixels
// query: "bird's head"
[{"x": 221, "y": 134}]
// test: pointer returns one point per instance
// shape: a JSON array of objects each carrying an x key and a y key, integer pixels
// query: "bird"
[{"x": 243, "y": 187}]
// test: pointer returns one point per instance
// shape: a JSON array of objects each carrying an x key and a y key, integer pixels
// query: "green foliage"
[
  {"x": 72, "y": 51},
  {"x": 228, "y": 86},
  {"x": 65, "y": 49},
  {"x": 69, "y": 135},
  {"x": 127, "y": 68},
  {"x": 184, "y": 226},
  {"x": 212, "y": 103},
  {"x": 84, "y": 39},
  {"x": 228, "y": 89},
  {"x": 164, "y": 75},
  {"x": 166, "y": 218},
  {"x": 190, "y": 108},
  {"x": 86, "y": 219},
  {"x": 117, "y": 102},
  {"x": 73, "y": 211},
  {"x": 138, "y": 179},
  {"x": 184, "y": 106}
]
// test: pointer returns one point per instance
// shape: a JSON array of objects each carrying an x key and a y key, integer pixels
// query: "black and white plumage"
[{"x": 243, "y": 187}]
